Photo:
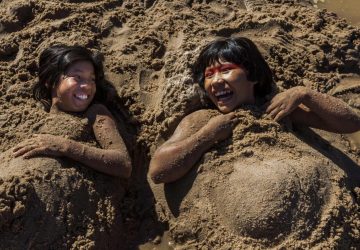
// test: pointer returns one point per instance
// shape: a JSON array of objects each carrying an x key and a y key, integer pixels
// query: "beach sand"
[{"x": 268, "y": 186}]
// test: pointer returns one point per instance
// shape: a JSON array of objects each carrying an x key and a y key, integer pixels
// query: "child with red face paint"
[
  {"x": 233, "y": 72},
  {"x": 71, "y": 84}
]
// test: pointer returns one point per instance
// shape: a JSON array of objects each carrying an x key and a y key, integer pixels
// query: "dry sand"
[{"x": 267, "y": 186}]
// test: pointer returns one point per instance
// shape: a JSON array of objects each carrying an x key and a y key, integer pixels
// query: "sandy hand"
[
  {"x": 286, "y": 102},
  {"x": 222, "y": 125},
  {"x": 41, "y": 144}
]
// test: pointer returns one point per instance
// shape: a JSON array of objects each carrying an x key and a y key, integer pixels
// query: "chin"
[
  {"x": 225, "y": 110},
  {"x": 76, "y": 109}
]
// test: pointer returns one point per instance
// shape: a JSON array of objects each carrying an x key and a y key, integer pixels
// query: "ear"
[{"x": 47, "y": 85}]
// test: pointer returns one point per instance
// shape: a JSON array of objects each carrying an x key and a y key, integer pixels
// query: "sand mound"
[
  {"x": 265, "y": 198},
  {"x": 57, "y": 202},
  {"x": 264, "y": 187},
  {"x": 148, "y": 47},
  {"x": 48, "y": 202}
]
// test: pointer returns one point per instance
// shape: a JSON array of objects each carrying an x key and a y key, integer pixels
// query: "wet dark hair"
[
  {"x": 55, "y": 60},
  {"x": 241, "y": 51}
]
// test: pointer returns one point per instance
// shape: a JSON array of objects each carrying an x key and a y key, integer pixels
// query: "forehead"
[
  {"x": 218, "y": 63},
  {"x": 82, "y": 67}
]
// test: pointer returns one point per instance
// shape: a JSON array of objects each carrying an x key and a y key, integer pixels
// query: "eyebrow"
[
  {"x": 223, "y": 64},
  {"x": 79, "y": 71}
]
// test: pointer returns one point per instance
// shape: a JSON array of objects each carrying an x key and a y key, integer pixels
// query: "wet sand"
[
  {"x": 348, "y": 9},
  {"x": 148, "y": 48}
]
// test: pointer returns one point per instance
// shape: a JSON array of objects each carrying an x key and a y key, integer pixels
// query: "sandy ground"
[{"x": 269, "y": 185}]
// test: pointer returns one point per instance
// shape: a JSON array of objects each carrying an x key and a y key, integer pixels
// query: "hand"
[
  {"x": 286, "y": 102},
  {"x": 41, "y": 144},
  {"x": 222, "y": 125}
]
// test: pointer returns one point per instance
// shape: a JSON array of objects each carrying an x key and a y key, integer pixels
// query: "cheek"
[
  {"x": 235, "y": 76},
  {"x": 63, "y": 89},
  {"x": 207, "y": 86}
]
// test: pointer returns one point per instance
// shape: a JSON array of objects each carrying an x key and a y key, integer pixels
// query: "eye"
[
  {"x": 92, "y": 81},
  {"x": 76, "y": 77},
  {"x": 226, "y": 69},
  {"x": 209, "y": 74}
]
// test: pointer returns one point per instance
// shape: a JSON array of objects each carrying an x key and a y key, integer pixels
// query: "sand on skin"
[{"x": 148, "y": 47}]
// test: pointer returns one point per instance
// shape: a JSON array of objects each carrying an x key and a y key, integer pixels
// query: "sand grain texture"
[{"x": 267, "y": 186}]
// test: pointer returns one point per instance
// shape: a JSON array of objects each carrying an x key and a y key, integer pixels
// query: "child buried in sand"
[
  {"x": 233, "y": 72},
  {"x": 70, "y": 84}
]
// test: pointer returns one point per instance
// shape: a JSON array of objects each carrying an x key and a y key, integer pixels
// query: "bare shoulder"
[
  {"x": 97, "y": 110},
  {"x": 190, "y": 124},
  {"x": 200, "y": 116}
]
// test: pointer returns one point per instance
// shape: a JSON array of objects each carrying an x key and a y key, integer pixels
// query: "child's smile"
[
  {"x": 227, "y": 86},
  {"x": 76, "y": 88}
]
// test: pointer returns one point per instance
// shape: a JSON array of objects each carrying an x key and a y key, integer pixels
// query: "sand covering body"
[{"x": 301, "y": 195}]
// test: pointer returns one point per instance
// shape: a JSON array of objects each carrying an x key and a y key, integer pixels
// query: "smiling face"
[
  {"x": 227, "y": 86},
  {"x": 76, "y": 88}
]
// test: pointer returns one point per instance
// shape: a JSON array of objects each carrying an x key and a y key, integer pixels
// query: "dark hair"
[
  {"x": 55, "y": 60},
  {"x": 241, "y": 51}
]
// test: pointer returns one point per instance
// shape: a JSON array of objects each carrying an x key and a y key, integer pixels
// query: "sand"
[{"x": 270, "y": 185}]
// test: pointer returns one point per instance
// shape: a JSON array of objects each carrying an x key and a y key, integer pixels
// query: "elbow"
[
  {"x": 163, "y": 166},
  {"x": 156, "y": 179},
  {"x": 155, "y": 175}
]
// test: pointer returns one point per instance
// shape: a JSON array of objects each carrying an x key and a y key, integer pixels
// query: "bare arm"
[
  {"x": 195, "y": 135},
  {"x": 314, "y": 109},
  {"x": 112, "y": 158}
]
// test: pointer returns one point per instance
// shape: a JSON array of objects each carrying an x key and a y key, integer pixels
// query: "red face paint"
[
  {"x": 222, "y": 68},
  {"x": 227, "y": 85}
]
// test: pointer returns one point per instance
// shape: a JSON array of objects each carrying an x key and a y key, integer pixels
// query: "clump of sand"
[{"x": 308, "y": 195}]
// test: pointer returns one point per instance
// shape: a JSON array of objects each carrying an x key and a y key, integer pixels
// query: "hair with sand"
[
  {"x": 241, "y": 51},
  {"x": 53, "y": 63}
]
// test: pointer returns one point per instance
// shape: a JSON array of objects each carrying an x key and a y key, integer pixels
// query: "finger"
[
  {"x": 24, "y": 150},
  {"x": 35, "y": 152},
  {"x": 22, "y": 145},
  {"x": 235, "y": 121},
  {"x": 280, "y": 115},
  {"x": 16, "y": 148},
  {"x": 274, "y": 112},
  {"x": 272, "y": 106}
]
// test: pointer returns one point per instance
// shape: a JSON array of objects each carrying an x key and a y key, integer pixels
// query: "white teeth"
[
  {"x": 82, "y": 97},
  {"x": 224, "y": 92}
]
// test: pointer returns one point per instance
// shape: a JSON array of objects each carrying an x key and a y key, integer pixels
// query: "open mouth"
[
  {"x": 81, "y": 97},
  {"x": 224, "y": 95}
]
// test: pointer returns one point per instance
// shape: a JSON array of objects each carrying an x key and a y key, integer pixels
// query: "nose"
[
  {"x": 217, "y": 79},
  {"x": 86, "y": 82}
]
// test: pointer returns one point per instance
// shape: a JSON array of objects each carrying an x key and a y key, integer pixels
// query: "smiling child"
[
  {"x": 71, "y": 84},
  {"x": 233, "y": 72}
]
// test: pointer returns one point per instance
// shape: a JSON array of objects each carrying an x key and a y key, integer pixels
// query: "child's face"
[
  {"x": 227, "y": 86},
  {"x": 76, "y": 88}
]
